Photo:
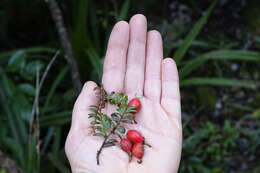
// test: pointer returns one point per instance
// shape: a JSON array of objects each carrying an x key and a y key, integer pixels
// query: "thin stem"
[
  {"x": 65, "y": 43},
  {"x": 37, "y": 94},
  {"x": 107, "y": 137}
]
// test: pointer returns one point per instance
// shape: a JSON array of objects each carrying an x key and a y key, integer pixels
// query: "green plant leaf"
[
  {"x": 60, "y": 77},
  {"x": 131, "y": 109},
  {"x": 127, "y": 121},
  {"x": 99, "y": 128},
  {"x": 31, "y": 69},
  {"x": 238, "y": 55},
  {"x": 124, "y": 10},
  {"x": 94, "y": 116},
  {"x": 106, "y": 123},
  {"x": 33, "y": 50},
  {"x": 17, "y": 60},
  {"x": 109, "y": 144},
  {"x": 121, "y": 129},
  {"x": 47, "y": 139},
  {"x": 95, "y": 61},
  {"x": 219, "y": 82},
  {"x": 99, "y": 134},
  {"x": 56, "y": 119},
  {"x": 27, "y": 89},
  {"x": 94, "y": 122},
  {"x": 115, "y": 117},
  {"x": 112, "y": 140},
  {"x": 193, "y": 34}
]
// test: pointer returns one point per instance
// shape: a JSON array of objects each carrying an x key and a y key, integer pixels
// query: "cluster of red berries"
[{"x": 134, "y": 142}]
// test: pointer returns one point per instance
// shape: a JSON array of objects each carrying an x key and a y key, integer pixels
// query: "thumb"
[{"x": 82, "y": 105}]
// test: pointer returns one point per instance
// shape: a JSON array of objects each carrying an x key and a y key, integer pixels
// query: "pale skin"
[{"x": 134, "y": 64}]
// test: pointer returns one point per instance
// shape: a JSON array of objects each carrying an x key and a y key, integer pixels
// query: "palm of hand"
[{"x": 159, "y": 118}]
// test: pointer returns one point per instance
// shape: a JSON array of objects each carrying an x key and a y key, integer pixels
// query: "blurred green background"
[{"x": 216, "y": 45}]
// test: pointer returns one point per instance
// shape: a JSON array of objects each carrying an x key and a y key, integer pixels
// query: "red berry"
[
  {"x": 135, "y": 102},
  {"x": 134, "y": 136},
  {"x": 138, "y": 150},
  {"x": 126, "y": 145}
]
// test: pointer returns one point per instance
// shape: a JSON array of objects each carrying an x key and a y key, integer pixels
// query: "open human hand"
[{"x": 134, "y": 64}]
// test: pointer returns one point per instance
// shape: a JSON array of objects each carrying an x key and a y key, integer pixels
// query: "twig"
[
  {"x": 40, "y": 86},
  {"x": 65, "y": 43},
  {"x": 37, "y": 125},
  {"x": 107, "y": 137}
]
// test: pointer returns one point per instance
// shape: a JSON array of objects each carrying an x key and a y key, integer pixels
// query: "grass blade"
[
  {"x": 219, "y": 82},
  {"x": 54, "y": 85},
  {"x": 193, "y": 34},
  {"x": 31, "y": 156},
  {"x": 238, "y": 55},
  {"x": 47, "y": 139},
  {"x": 6, "y": 55},
  {"x": 56, "y": 119},
  {"x": 95, "y": 61},
  {"x": 124, "y": 10},
  {"x": 17, "y": 125}
]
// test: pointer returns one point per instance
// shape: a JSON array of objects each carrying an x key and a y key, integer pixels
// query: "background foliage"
[{"x": 215, "y": 44}]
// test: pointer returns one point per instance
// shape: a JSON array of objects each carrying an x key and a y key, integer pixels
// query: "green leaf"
[
  {"x": 31, "y": 69},
  {"x": 56, "y": 119},
  {"x": 17, "y": 60},
  {"x": 47, "y": 139},
  {"x": 99, "y": 134},
  {"x": 131, "y": 109},
  {"x": 99, "y": 128},
  {"x": 109, "y": 144},
  {"x": 95, "y": 61},
  {"x": 112, "y": 141},
  {"x": 95, "y": 110},
  {"x": 106, "y": 123},
  {"x": 27, "y": 89},
  {"x": 58, "y": 81},
  {"x": 124, "y": 10},
  {"x": 130, "y": 115},
  {"x": 127, "y": 121},
  {"x": 31, "y": 155},
  {"x": 91, "y": 115},
  {"x": 8, "y": 85},
  {"x": 121, "y": 129},
  {"x": 238, "y": 55},
  {"x": 115, "y": 117},
  {"x": 95, "y": 122},
  {"x": 33, "y": 50},
  {"x": 193, "y": 34},
  {"x": 219, "y": 82}
]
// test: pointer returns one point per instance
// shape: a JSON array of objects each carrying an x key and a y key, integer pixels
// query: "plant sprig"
[{"x": 107, "y": 126}]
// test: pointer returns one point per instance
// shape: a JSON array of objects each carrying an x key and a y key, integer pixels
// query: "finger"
[
  {"x": 134, "y": 79},
  {"x": 115, "y": 61},
  {"x": 170, "y": 100},
  {"x": 154, "y": 54},
  {"x": 81, "y": 109}
]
